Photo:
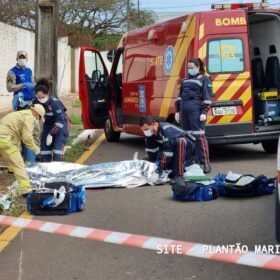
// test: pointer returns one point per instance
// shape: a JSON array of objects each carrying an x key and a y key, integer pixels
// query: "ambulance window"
[
  {"x": 225, "y": 56},
  {"x": 93, "y": 66}
]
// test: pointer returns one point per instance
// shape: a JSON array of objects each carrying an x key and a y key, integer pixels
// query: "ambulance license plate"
[{"x": 222, "y": 111}]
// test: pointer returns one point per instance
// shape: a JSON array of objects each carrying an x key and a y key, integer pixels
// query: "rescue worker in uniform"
[
  {"x": 56, "y": 126},
  {"x": 14, "y": 128},
  {"x": 192, "y": 105},
  {"x": 167, "y": 145},
  {"x": 19, "y": 81}
]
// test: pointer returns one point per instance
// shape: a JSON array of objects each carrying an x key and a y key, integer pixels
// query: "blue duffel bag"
[
  {"x": 245, "y": 185},
  {"x": 193, "y": 191},
  {"x": 57, "y": 198}
]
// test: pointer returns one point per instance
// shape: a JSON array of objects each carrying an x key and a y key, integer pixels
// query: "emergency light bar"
[{"x": 235, "y": 6}]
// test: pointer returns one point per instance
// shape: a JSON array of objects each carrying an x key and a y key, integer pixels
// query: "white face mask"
[
  {"x": 22, "y": 62},
  {"x": 44, "y": 100},
  {"x": 148, "y": 133}
]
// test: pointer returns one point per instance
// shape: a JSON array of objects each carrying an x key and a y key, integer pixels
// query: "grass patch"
[
  {"x": 75, "y": 119},
  {"x": 76, "y": 103},
  {"x": 75, "y": 151}
]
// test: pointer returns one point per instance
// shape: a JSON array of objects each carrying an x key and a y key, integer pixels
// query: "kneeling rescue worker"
[
  {"x": 167, "y": 145},
  {"x": 17, "y": 127}
]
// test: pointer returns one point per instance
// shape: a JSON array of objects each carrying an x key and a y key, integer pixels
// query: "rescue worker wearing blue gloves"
[
  {"x": 56, "y": 126},
  {"x": 192, "y": 105},
  {"x": 167, "y": 145},
  {"x": 19, "y": 81}
]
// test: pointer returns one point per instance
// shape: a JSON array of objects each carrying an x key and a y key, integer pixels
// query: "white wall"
[{"x": 13, "y": 39}]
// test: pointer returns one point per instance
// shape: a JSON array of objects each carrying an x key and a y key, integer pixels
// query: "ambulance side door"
[{"x": 93, "y": 88}]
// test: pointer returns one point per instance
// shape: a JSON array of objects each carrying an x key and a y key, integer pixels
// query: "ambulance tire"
[
  {"x": 270, "y": 146},
  {"x": 277, "y": 215},
  {"x": 111, "y": 135}
]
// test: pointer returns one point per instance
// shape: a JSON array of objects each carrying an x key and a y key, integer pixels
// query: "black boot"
[
  {"x": 179, "y": 186},
  {"x": 206, "y": 168}
]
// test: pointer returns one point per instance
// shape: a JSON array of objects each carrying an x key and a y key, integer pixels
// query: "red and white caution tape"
[{"x": 161, "y": 245}]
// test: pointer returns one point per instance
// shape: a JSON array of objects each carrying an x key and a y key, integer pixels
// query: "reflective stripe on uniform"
[
  {"x": 152, "y": 150},
  {"x": 49, "y": 114},
  {"x": 178, "y": 98},
  {"x": 166, "y": 126},
  {"x": 59, "y": 125},
  {"x": 173, "y": 126},
  {"x": 58, "y": 152},
  {"x": 207, "y": 102},
  {"x": 181, "y": 157},
  {"x": 23, "y": 184},
  {"x": 4, "y": 143},
  {"x": 168, "y": 154},
  {"x": 193, "y": 81},
  {"x": 12, "y": 150},
  {"x": 160, "y": 141},
  {"x": 198, "y": 132},
  {"x": 46, "y": 152}
]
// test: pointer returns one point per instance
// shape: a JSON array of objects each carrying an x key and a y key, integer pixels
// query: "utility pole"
[
  {"x": 46, "y": 42},
  {"x": 128, "y": 14}
]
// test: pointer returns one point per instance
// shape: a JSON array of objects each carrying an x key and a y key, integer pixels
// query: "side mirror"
[{"x": 111, "y": 55}]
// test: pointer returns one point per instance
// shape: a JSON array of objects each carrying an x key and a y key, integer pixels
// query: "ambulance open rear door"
[{"x": 93, "y": 88}]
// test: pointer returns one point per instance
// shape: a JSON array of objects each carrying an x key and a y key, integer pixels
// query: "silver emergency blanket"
[{"x": 123, "y": 174}]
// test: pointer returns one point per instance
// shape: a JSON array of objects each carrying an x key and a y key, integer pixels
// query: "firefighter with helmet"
[{"x": 17, "y": 127}]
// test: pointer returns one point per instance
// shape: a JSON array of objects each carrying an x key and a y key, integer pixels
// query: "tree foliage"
[{"x": 83, "y": 21}]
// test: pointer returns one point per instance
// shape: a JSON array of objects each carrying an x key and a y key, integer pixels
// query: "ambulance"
[{"x": 240, "y": 46}]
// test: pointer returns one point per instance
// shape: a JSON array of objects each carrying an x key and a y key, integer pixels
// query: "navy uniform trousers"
[{"x": 191, "y": 111}]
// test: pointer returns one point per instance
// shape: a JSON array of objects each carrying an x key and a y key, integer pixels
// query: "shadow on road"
[
  {"x": 243, "y": 152},
  {"x": 219, "y": 153}
]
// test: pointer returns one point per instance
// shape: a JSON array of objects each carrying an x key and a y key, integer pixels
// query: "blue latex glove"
[
  {"x": 158, "y": 170},
  {"x": 157, "y": 162},
  {"x": 28, "y": 86}
]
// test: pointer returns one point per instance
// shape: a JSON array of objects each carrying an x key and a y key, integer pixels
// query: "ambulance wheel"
[
  {"x": 277, "y": 215},
  {"x": 111, "y": 135},
  {"x": 270, "y": 146}
]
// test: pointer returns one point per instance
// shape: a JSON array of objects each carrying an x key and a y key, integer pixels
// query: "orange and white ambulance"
[{"x": 240, "y": 46}]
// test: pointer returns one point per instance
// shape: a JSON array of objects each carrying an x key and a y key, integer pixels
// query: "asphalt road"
[{"x": 151, "y": 211}]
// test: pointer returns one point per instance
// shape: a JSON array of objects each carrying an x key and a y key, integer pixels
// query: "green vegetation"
[
  {"x": 76, "y": 103},
  {"x": 75, "y": 119},
  {"x": 75, "y": 151},
  {"x": 82, "y": 21}
]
